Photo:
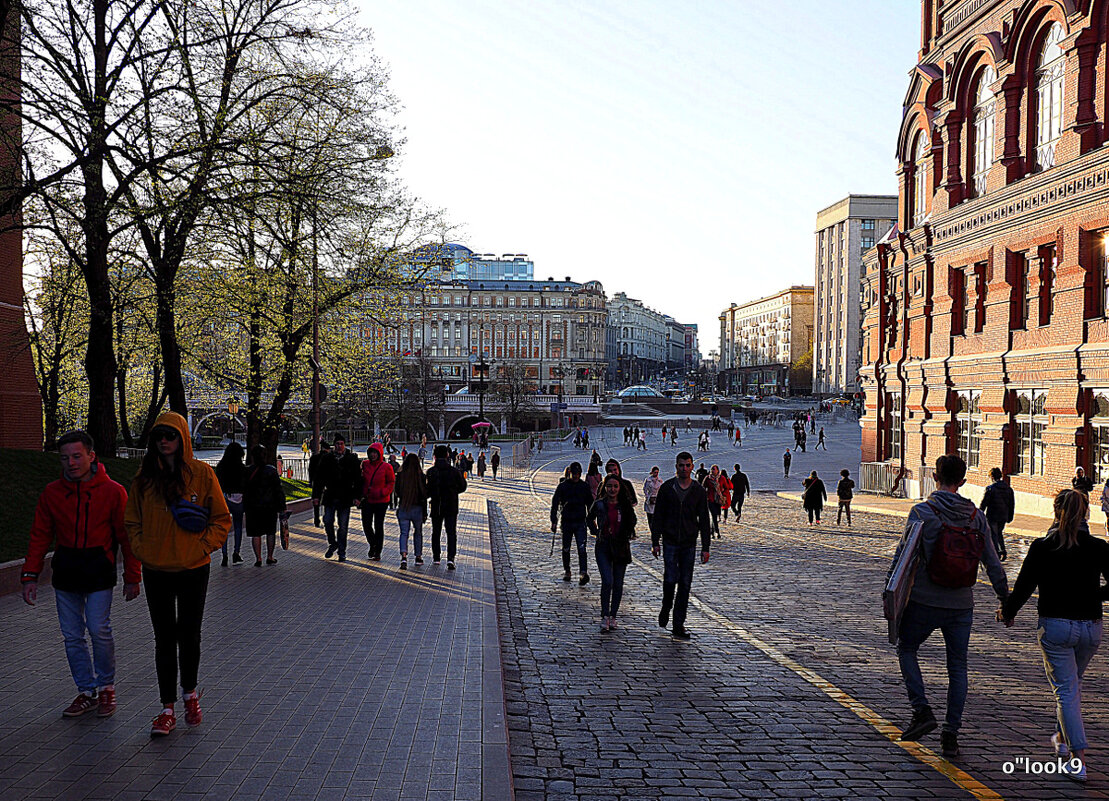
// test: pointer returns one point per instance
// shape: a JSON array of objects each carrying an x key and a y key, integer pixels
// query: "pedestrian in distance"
[
  {"x": 711, "y": 483},
  {"x": 411, "y": 508},
  {"x": 593, "y": 478},
  {"x": 738, "y": 442},
  {"x": 681, "y": 516},
  {"x": 263, "y": 500},
  {"x": 377, "y": 484},
  {"x": 664, "y": 430},
  {"x": 231, "y": 473},
  {"x": 820, "y": 443},
  {"x": 702, "y": 471},
  {"x": 643, "y": 440},
  {"x": 845, "y": 491},
  {"x": 495, "y": 463},
  {"x": 814, "y": 496},
  {"x": 1082, "y": 482},
  {"x": 444, "y": 484},
  {"x": 786, "y": 459},
  {"x": 585, "y": 439},
  {"x": 481, "y": 465},
  {"x": 175, "y": 518},
  {"x": 650, "y": 493},
  {"x": 314, "y": 481},
  {"x": 741, "y": 489},
  {"x": 612, "y": 521},
  {"x": 999, "y": 505},
  {"x": 954, "y": 539},
  {"x": 1067, "y": 566},
  {"x": 673, "y": 436},
  {"x": 81, "y": 516},
  {"x": 804, "y": 441},
  {"x": 724, "y": 484},
  {"x": 571, "y": 503}
]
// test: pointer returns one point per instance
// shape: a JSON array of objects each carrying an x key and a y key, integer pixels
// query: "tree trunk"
[{"x": 167, "y": 342}]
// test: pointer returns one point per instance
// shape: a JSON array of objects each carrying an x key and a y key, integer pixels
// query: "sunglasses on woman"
[{"x": 169, "y": 434}]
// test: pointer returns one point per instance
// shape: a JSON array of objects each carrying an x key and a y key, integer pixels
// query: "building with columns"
[
  {"x": 844, "y": 231},
  {"x": 639, "y": 336},
  {"x": 987, "y": 323},
  {"x": 761, "y": 341}
]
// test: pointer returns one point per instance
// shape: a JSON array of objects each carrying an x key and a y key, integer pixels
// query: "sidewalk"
[{"x": 321, "y": 681}]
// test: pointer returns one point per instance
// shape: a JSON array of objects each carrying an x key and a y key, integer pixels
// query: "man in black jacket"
[
  {"x": 999, "y": 506},
  {"x": 681, "y": 513},
  {"x": 444, "y": 484},
  {"x": 341, "y": 475},
  {"x": 573, "y": 498},
  {"x": 741, "y": 490}
]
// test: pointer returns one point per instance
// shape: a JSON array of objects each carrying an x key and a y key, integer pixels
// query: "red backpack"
[{"x": 956, "y": 554}]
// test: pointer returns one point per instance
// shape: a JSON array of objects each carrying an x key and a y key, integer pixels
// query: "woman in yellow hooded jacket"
[{"x": 176, "y": 516}]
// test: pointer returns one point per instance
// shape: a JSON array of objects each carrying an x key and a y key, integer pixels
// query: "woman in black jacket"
[
  {"x": 814, "y": 496},
  {"x": 231, "y": 473},
  {"x": 612, "y": 521},
  {"x": 263, "y": 501}
]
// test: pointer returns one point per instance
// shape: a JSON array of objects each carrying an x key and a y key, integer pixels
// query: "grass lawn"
[{"x": 27, "y": 474}]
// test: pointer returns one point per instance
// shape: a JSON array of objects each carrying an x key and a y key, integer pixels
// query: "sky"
[{"x": 677, "y": 151}]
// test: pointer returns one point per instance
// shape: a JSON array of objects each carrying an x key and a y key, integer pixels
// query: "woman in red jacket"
[{"x": 377, "y": 490}]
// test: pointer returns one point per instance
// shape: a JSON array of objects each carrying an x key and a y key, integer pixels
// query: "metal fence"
[{"x": 882, "y": 478}]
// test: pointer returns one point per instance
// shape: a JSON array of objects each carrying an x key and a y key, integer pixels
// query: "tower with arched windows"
[{"x": 986, "y": 322}]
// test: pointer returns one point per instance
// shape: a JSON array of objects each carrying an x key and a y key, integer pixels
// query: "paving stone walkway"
[{"x": 321, "y": 681}]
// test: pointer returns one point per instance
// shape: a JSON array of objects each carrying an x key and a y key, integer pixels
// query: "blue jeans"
[
  {"x": 677, "y": 573},
  {"x": 612, "y": 580},
  {"x": 411, "y": 516},
  {"x": 578, "y": 533},
  {"x": 1068, "y": 647},
  {"x": 918, "y": 622},
  {"x": 337, "y": 540},
  {"x": 236, "y": 510},
  {"x": 78, "y": 611}
]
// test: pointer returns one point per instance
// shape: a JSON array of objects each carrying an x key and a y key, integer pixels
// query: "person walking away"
[
  {"x": 845, "y": 491},
  {"x": 738, "y": 443},
  {"x": 1067, "y": 566},
  {"x": 820, "y": 443},
  {"x": 495, "y": 463},
  {"x": 1082, "y": 482},
  {"x": 81, "y": 516},
  {"x": 411, "y": 509},
  {"x": 175, "y": 517},
  {"x": 712, "y": 493},
  {"x": 681, "y": 515},
  {"x": 342, "y": 480},
  {"x": 673, "y": 436},
  {"x": 593, "y": 478},
  {"x": 650, "y": 494},
  {"x": 444, "y": 485},
  {"x": 954, "y": 539},
  {"x": 725, "y": 486},
  {"x": 804, "y": 441},
  {"x": 999, "y": 505},
  {"x": 395, "y": 467},
  {"x": 741, "y": 489},
  {"x": 481, "y": 465},
  {"x": 319, "y": 457},
  {"x": 643, "y": 440},
  {"x": 231, "y": 473},
  {"x": 375, "y": 494},
  {"x": 701, "y": 473},
  {"x": 572, "y": 501},
  {"x": 264, "y": 500},
  {"x": 814, "y": 497},
  {"x": 664, "y": 429},
  {"x": 786, "y": 459},
  {"x": 612, "y": 521}
]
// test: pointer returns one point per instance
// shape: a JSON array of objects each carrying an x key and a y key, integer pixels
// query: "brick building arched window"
[
  {"x": 1050, "y": 77},
  {"x": 985, "y": 110},
  {"x": 921, "y": 198}
]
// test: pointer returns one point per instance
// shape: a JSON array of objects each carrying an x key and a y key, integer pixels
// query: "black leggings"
[{"x": 176, "y": 602}]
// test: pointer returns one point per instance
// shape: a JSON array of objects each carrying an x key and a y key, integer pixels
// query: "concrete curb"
[{"x": 496, "y": 757}]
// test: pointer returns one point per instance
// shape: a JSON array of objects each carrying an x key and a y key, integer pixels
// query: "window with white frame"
[
  {"x": 985, "y": 107},
  {"x": 1031, "y": 420},
  {"x": 920, "y": 179},
  {"x": 895, "y": 412},
  {"x": 1050, "y": 76},
  {"x": 1099, "y": 437},
  {"x": 968, "y": 422}
]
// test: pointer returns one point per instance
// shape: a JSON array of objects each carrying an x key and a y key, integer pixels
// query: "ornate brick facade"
[{"x": 986, "y": 328}]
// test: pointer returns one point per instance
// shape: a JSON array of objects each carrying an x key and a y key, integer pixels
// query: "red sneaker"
[
  {"x": 81, "y": 704},
  {"x": 107, "y": 702},
  {"x": 163, "y": 724},
  {"x": 193, "y": 715}
]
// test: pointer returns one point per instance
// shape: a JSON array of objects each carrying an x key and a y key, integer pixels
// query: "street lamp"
[{"x": 233, "y": 409}]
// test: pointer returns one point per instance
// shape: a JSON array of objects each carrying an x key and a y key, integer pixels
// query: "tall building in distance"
[
  {"x": 762, "y": 341},
  {"x": 457, "y": 262},
  {"x": 639, "y": 335},
  {"x": 844, "y": 232}
]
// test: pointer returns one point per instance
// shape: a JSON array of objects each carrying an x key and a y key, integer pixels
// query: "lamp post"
[{"x": 233, "y": 409}]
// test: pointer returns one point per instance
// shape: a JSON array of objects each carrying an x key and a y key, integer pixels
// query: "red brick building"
[
  {"x": 20, "y": 402},
  {"x": 986, "y": 328}
]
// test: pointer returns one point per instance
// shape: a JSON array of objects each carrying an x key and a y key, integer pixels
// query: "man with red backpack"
[{"x": 954, "y": 538}]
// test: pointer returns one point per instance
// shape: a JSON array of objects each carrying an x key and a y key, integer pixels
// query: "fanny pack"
[{"x": 189, "y": 516}]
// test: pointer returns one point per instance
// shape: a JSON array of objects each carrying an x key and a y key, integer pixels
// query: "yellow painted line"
[
  {"x": 884, "y": 727},
  {"x": 865, "y": 713}
]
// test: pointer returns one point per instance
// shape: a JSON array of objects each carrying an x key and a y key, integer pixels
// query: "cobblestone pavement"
[
  {"x": 789, "y": 688},
  {"x": 321, "y": 681}
]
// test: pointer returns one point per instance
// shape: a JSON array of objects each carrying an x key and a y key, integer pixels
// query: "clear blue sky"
[{"x": 678, "y": 151}]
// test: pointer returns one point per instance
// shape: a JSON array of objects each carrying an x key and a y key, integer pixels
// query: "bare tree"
[{"x": 516, "y": 390}]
